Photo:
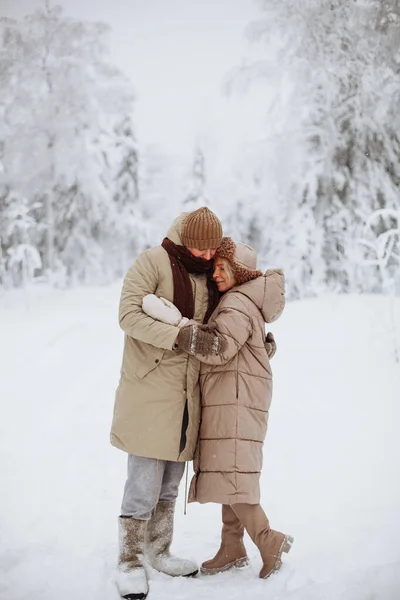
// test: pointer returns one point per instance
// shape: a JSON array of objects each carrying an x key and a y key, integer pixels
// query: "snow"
[{"x": 332, "y": 455}]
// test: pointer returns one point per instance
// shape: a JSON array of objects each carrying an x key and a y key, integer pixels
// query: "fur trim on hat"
[{"x": 242, "y": 273}]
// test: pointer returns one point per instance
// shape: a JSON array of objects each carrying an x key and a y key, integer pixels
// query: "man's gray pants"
[{"x": 150, "y": 481}]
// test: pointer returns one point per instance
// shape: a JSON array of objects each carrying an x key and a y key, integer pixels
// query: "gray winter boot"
[
  {"x": 131, "y": 578},
  {"x": 158, "y": 542}
]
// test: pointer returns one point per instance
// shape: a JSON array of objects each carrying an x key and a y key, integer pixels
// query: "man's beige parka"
[{"x": 158, "y": 392}]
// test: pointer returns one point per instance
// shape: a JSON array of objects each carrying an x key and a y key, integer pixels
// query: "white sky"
[{"x": 176, "y": 53}]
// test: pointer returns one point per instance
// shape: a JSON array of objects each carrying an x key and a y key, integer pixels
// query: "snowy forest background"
[{"x": 317, "y": 193}]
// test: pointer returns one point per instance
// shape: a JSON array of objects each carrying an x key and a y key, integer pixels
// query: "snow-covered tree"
[
  {"x": 127, "y": 178},
  {"x": 64, "y": 111},
  {"x": 195, "y": 196},
  {"x": 331, "y": 149},
  {"x": 128, "y": 222},
  {"x": 160, "y": 182},
  {"x": 19, "y": 259},
  {"x": 381, "y": 241}
]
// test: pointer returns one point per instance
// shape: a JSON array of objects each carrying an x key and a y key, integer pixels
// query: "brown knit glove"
[
  {"x": 270, "y": 345},
  {"x": 195, "y": 340}
]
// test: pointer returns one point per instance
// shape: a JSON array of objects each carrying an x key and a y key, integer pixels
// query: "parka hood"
[
  {"x": 266, "y": 292},
  {"x": 174, "y": 232}
]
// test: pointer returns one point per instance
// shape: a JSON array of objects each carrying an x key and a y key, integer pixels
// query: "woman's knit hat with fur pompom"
[{"x": 242, "y": 258}]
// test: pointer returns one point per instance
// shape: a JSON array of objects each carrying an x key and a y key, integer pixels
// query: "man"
[{"x": 157, "y": 405}]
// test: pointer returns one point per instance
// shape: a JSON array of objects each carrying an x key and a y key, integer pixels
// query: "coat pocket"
[{"x": 150, "y": 363}]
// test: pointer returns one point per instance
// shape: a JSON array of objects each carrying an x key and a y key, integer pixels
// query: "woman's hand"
[{"x": 197, "y": 340}]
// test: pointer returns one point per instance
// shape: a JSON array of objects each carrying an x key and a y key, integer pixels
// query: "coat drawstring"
[
  {"x": 157, "y": 490},
  {"x": 186, "y": 488}
]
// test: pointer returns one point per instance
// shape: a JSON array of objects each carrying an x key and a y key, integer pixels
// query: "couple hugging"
[{"x": 195, "y": 383}]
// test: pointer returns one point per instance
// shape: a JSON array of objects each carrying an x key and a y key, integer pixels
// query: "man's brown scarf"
[{"x": 182, "y": 263}]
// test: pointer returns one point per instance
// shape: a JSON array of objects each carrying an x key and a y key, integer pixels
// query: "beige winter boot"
[
  {"x": 270, "y": 543},
  {"x": 131, "y": 578},
  {"x": 160, "y": 530},
  {"x": 232, "y": 552}
]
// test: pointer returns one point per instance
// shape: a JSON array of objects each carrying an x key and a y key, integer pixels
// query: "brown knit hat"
[
  {"x": 242, "y": 258},
  {"x": 201, "y": 229}
]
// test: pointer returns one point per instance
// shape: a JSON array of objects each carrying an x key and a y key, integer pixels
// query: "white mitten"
[{"x": 162, "y": 310}]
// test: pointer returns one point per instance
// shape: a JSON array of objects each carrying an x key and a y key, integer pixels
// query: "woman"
[{"x": 236, "y": 388}]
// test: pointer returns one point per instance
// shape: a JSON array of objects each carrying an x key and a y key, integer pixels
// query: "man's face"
[{"x": 205, "y": 254}]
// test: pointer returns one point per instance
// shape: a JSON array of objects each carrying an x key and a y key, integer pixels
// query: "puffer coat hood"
[{"x": 261, "y": 293}]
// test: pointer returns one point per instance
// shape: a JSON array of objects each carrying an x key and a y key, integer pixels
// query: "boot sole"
[
  {"x": 286, "y": 547},
  {"x": 238, "y": 564},
  {"x": 135, "y": 596},
  {"x": 193, "y": 574}
]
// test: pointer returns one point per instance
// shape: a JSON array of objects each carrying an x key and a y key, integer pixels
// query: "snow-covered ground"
[{"x": 332, "y": 457}]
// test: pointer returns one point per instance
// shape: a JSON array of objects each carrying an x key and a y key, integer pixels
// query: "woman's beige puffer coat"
[{"x": 236, "y": 388}]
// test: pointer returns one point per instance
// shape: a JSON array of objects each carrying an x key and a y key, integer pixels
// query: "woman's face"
[{"x": 223, "y": 275}]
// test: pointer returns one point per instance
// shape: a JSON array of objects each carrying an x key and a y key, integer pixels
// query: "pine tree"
[
  {"x": 129, "y": 232},
  {"x": 195, "y": 196},
  {"x": 160, "y": 183}
]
